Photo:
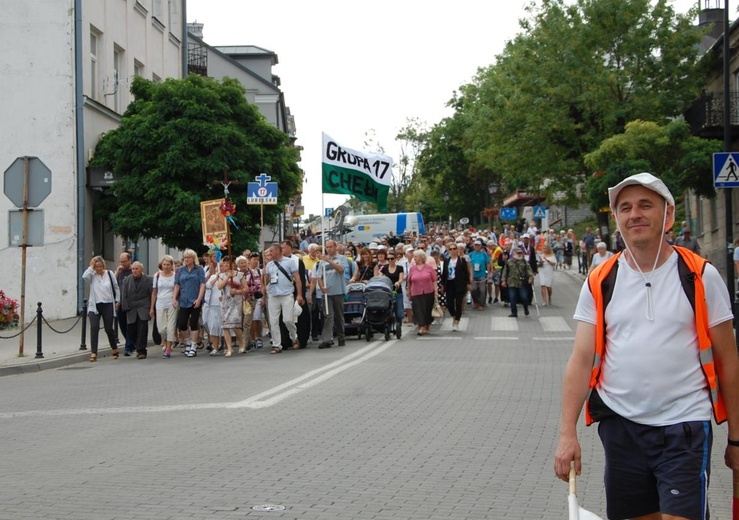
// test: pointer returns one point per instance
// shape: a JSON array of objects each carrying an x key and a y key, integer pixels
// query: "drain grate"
[{"x": 268, "y": 507}]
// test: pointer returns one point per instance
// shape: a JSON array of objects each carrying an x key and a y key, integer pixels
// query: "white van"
[{"x": 365, "y": 228}]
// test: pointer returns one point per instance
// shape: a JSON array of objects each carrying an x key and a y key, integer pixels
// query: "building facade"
[{"x": 65, "y": 83}]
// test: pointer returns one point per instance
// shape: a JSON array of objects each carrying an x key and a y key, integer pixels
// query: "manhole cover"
[{"x": 268, "y": 507}]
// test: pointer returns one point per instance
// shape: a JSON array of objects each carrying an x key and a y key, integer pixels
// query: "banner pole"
[{"x": 323, "y": 252}]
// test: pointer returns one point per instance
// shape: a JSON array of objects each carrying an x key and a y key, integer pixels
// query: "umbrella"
[{"x": 577, "y": 512}]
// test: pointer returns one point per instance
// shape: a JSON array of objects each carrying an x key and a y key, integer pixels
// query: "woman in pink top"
[{"x": 422, "y": 290}]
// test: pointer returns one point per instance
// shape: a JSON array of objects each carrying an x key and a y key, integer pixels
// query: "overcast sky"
[{"x": 352, "y": 67}]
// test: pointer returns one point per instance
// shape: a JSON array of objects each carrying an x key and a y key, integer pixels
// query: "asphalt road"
[{"x": 452, "y": 425}]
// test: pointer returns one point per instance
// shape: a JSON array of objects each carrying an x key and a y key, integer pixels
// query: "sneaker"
[
  {"x": 526, "y": 312},
  {"x": 167, "y": 354},
  {"x": 513, "y": 316},
  {"x": 209, "y": 348},
  {"x": 490, "y": 300},
  {"x": 325, "y": 344},
  {"x": 259, "y": 343},
  {"x": 251, "y": 346},
  {"x": 342, "y": 342},
  {"x": 455, "y": 327},
  {"x": 495, "y": 301},
  {"x": 127, "y": 353},
  {"x": 191, "y": 352},
  {"x": 213, "y": 352}
]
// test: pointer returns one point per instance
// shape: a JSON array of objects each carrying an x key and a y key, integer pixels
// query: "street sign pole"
[
  {"x": 24, "y": 246},
  {"x": 728, "y": 209}
]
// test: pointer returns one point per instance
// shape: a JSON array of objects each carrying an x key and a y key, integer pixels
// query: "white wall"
[
  {"x": 38, "y": 114},
  {"x": 37, "y": 93}
]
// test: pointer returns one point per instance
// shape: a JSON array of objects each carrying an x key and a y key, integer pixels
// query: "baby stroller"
[
  {"x": 379, "y": 308},
  {"x": 354, "y": 309}
]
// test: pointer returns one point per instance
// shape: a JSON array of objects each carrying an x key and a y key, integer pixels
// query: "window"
[
  {"x": 138, "y": 68},
  {"x": 697, "y": 224},
  {"x": 156, "y": 79},
  {"x": 119, "y": 75},
  {"x": 94, "y": 45},
  {"x": 714, "y": 216},
  {"x": 172, "y": 18},
  {"x": 156, "y": 10}
]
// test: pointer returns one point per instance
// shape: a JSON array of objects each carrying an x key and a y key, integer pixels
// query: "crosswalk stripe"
[
  {"x": 446, "y": 324},
  {"x": 555, "y": 324},
  {"x": 500, "y": 323}
]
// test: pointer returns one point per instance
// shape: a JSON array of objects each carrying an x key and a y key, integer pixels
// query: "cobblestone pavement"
[{"x": 454, "y": 425}]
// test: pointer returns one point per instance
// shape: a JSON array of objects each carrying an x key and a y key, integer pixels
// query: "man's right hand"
[{"x": 567, "y": 451}]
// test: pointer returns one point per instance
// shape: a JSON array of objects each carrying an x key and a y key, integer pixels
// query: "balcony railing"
[{"x": 706, "y": 115}]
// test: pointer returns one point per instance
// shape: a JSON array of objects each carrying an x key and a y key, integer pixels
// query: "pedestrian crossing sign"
[
  {"x": 726, "y": 170},
  {"x": 540, "y": 212}
]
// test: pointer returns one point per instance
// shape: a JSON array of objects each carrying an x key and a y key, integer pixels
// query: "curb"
[{"x": 40, "y": 364}]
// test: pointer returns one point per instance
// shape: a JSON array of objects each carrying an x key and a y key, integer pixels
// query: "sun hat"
[{"x": 645, "y": 179}]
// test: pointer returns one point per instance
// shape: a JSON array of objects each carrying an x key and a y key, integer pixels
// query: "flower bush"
[{"x": 8, "y": 312}]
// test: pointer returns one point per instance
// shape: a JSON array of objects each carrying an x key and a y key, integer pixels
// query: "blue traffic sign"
[
  {"x": 540, "y": 212},
  {"x": 327, "y": 212},
  {"x": 726, "y": 170},
  {"x": 261, "y": 193},
  {"x": 508, "y": 213}
]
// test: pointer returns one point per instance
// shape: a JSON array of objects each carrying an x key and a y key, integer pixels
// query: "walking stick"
[{"x": 536, "y": 302}]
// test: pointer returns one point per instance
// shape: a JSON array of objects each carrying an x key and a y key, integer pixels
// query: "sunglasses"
[{"x": 452, "y": 249}]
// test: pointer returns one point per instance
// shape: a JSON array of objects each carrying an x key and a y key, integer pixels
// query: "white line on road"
[
  {"x": 253, "y": 402},
  {"x": 509, "y": 338}
]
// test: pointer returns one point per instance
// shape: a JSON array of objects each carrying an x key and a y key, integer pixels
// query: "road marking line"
[
  {"x": 257, "y": 402},
  {"x": 253, "y": 402},
  {"x": 562, "y": 338},
  {"x": 430, "y": 338},
  {"x": 483, "y": 338}
]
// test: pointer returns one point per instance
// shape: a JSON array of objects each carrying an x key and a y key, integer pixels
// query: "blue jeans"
[
  {"x": 518, "y": 294},
  {"x": 399, "y": 309}
]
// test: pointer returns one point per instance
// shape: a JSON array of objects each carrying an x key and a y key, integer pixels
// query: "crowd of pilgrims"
[{"x": 220, "y": 305}]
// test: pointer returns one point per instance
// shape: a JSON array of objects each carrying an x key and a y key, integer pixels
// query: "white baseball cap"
[{"x": 645, "y": 179}]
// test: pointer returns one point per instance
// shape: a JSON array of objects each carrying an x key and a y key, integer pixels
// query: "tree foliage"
[
  {"x": 574, "y": 76},
  {"x": 175, "y": 139},
  {"x": 668, "y": 151}
]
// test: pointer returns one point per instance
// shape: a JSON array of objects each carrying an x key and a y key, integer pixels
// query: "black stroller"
[{"x": 379, "y": 308}]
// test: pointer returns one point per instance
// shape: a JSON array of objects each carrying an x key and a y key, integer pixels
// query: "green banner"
[{"x": 361, "y": 175}]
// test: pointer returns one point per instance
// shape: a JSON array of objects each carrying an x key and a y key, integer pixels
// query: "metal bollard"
[
  {"x": 84, "y": 325},
  {"x": 39, "y": 323}
]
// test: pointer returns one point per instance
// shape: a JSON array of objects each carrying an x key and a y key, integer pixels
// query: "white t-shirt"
[
  {"x": 165, "y": 290},
  {"x": 651, "y": 373}
]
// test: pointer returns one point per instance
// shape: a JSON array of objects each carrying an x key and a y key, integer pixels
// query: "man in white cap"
[{"x": 652, "y": 368}]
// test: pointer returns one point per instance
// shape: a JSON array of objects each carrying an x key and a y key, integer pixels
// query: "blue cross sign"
[
  {"x": 261, "y": 192},
  {"x": 726, "y": 170}
]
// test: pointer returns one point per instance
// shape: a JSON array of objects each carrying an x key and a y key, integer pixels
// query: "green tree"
[
  {"x": 668, "y": 151},
  {"x": 574, "y": 76},
  {"x": 175, "y": 139}
]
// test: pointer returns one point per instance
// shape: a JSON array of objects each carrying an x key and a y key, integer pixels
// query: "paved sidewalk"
[{"x": 58, "y": 349}]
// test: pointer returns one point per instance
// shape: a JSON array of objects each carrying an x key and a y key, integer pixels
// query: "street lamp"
[
  {"x": 446, "y": 205},
  {"x": 492, "y": 190}
]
